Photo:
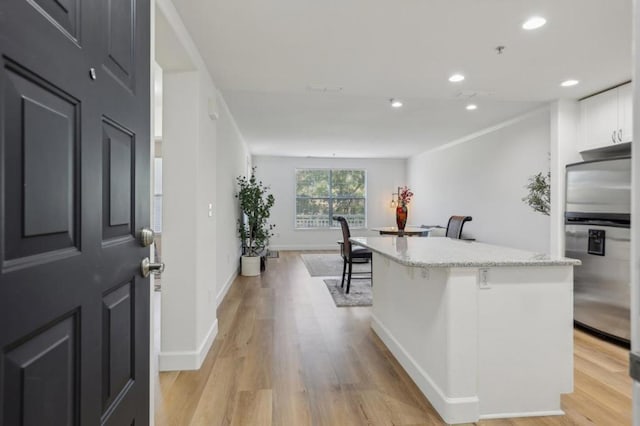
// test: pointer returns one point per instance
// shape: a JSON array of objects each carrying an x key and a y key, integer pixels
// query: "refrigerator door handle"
[{"x": 634, "y": 365}]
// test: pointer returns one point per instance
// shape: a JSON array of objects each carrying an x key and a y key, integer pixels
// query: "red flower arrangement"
[{"x": 404, "y": 196}]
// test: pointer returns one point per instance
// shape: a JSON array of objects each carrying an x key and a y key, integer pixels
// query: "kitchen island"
[{"x": 484, "y": 331}]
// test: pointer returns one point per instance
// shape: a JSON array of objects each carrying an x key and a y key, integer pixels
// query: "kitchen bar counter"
[
  {"x": 484, "y": 331},
  {"x": 448, "y": 252}
]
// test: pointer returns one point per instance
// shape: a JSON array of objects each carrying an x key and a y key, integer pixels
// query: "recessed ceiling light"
[
  {"x": 534, "y": 22},
  {"x": 396, "y": 103},
  {"x": 471, "y": 107},
  {"x": 456, "y": 78},
  {"x": 569, "y": 83}
]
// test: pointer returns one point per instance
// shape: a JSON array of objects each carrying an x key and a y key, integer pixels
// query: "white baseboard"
[
  {"x": 203, "y": 350},
  {"x": 452, "y": 410},
  {"x": 304, "y": 247},
  {"x": 188, "y": 360},
  {"x": 227, "y": 285},
  {"x": 522, "y": 414}
]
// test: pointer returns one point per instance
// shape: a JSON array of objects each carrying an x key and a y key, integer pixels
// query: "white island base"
[{"x": 479, "y": 351}]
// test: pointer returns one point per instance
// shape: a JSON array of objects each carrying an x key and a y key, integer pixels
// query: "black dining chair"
[
  {"x": 349, "y": 253},
  {"x": 454, "y": 227}
]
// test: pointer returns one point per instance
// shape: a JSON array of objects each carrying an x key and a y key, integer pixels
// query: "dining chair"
[
  {"x": 454, "y": 227},
  {"x": 349, "y": 253}
]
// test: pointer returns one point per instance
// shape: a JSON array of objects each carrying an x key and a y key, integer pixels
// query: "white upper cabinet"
[
  {"x": 625, "y": 103},
  {"x": 606, "y": 118}
]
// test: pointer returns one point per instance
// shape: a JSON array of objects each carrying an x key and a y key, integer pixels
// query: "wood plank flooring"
[{"x": 285, "y": 355}]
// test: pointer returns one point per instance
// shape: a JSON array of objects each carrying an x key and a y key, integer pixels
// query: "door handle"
[
  {"x": 620, "y": 135},
  {"x": 613, "y": 137},
  {"x": 146, "y": 267}
]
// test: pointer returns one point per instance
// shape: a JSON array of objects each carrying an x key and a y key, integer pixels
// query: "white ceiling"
[{"x": 264, "y": 55}]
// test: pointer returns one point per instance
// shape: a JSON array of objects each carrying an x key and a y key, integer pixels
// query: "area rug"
[
  {"x": 359, "y": 293},
  {"x": 329, "y": 265}
]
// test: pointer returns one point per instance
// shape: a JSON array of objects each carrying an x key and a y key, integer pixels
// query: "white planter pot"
[{"x": 250, "y": 266}]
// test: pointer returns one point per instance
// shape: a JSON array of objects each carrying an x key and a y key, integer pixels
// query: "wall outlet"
[
  {"x": 424, "y": 273},
  {"x": 483, "y": 278}
]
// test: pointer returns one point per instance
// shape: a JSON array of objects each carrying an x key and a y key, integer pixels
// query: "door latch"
[{"x": 146, "y": 267}]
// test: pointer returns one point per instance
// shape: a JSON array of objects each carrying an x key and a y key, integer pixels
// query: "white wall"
[
  {"x": 179, "y": 293},
  {"x": 383, "y": 178},
  {"x": 195, "y": 146},
  {"x": 189, "y": 286},
  {"x": 232, "y": 157},
  {"x": 206, "y": 194},
  {"x": 485, "y": 177},
  {"x": 565, "y": 119}
]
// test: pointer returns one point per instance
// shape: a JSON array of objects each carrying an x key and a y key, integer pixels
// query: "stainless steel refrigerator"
[{"x": 597, "y": 230}]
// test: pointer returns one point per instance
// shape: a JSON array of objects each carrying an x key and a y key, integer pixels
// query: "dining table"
[{"x": 410, "y": 231}]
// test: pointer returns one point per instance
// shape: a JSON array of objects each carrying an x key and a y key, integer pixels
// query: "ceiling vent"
[
  {"x": 324, "y": 89},
  {"x": 472, "y": 94}
]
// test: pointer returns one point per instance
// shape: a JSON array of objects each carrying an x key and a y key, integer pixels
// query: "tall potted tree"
[
  {"x": 253, "y": 227},
  {"x": 539, "y": 196}
]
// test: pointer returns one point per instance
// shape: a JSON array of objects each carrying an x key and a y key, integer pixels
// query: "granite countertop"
[{"x": 452, "y": 253}]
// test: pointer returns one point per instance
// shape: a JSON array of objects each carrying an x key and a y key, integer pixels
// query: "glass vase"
[{"x": 401, "y": 216}]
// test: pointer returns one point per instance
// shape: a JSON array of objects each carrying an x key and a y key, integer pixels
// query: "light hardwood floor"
[{"x": 285, "y": 355}]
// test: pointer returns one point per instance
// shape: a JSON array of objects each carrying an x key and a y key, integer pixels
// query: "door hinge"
[{"x": 634, "y": 365}]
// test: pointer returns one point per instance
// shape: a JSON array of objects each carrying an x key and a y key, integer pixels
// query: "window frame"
[{"x": 330, "y": 198}]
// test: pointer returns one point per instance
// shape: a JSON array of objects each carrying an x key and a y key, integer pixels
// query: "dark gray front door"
[{"x": 74, "y": 191}]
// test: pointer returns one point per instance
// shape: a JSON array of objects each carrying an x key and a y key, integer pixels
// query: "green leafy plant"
[
  {"x": 539, "y": 196},
  {"x": 256, "y": 204}
]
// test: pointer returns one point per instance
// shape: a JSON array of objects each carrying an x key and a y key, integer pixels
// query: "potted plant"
[
  {"x": 253, "y": 228},
  {"x": 539, "y": 195}
]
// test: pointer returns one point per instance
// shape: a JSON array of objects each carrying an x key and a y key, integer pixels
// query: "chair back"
[
  {"x": 346, "y": 234},
  {"x": 454, "y": 227}
]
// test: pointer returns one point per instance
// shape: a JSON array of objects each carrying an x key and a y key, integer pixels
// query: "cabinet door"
[
  {"x": 599, "y": 117},
  {"x": 625, "y": 117},
  {"x": 599, "y": 120}
]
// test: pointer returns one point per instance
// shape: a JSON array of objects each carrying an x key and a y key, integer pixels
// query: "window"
[{"x": 323, "y": 193}]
